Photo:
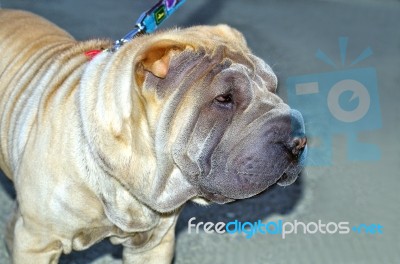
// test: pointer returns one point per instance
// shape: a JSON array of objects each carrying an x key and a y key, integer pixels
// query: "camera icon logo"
[{"x": 342, "y": 102}]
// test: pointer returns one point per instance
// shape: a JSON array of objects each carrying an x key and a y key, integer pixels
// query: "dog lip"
[
  {"x": 215, "y": 197},
  {"x": 286, "y": 180},
  {"x": 290, "y": 175}
]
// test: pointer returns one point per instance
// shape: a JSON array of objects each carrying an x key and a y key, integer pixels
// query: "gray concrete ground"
[{"x": 286, "y": 34}]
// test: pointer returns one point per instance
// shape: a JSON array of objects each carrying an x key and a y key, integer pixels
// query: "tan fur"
[
  {"x": 87, "y": 143},
  {"x": 40, "y": 71}
]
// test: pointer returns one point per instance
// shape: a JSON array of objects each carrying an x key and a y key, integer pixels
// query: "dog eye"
[{"x": 224, "y": 99}]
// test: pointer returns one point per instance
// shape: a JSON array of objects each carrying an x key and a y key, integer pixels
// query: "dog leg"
[
  {"x": 37, "y": 247},
  {"x": 163, "y": 253},
  {"x": 10, "y": 229}
]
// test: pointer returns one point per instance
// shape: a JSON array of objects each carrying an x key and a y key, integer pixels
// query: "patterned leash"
[{"x": 148, "y": 22}]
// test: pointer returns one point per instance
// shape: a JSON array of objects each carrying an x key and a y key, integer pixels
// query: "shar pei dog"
[{"x": 115, "y": 146}]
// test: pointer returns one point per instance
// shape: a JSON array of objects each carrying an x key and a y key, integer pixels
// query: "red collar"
[{"x": 92, "y": 53}]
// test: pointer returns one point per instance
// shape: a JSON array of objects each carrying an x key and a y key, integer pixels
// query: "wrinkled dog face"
[{"x": 230, "y": 135}]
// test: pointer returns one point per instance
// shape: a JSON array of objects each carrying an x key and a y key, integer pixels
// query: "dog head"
[{"x": 219, "y": 119}]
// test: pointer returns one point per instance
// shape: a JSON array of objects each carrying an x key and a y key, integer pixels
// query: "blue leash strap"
[{"x": 149, "y": 20}]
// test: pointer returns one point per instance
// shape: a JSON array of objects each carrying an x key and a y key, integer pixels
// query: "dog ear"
[{"x": 157, "y": 57}]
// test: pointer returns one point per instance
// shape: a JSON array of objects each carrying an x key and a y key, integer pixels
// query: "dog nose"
[
  {"x": 298, "y": 140},
  {"x": 298, "y": 144}
]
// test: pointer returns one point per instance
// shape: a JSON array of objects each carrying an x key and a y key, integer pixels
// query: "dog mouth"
[
  {"x": 248, "y": 177},
  {"x": 288, "y": 177},
  {"x": 216, "y": 197}
]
